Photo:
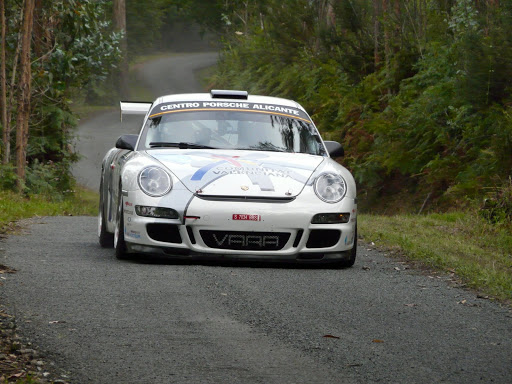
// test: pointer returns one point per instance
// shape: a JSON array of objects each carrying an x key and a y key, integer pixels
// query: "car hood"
[{"x": 239, "y": 173}]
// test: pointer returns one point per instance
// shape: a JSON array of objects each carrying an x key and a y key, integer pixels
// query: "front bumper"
[{"x": 240, "y": 230}]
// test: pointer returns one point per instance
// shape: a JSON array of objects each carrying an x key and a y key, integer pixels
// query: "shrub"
[
  {"x": 7, "y": 177},
  {"x": 497, "y": 206}
]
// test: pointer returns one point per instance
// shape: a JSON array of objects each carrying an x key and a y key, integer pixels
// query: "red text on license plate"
[{"x": 241, "y": 216}]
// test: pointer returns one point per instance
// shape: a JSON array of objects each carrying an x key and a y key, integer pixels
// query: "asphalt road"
[{"x": 154, "y": 321}]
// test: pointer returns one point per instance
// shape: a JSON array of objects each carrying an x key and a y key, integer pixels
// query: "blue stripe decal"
[{"x": 202, "y": 171}]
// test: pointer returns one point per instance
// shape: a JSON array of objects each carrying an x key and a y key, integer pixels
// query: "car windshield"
[{"x": 231, "y": 130}]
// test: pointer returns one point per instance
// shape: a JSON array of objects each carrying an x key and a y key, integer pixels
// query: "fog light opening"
[
  {"x": 157, "y": 212},
  {"x": 330, "y": 218}
]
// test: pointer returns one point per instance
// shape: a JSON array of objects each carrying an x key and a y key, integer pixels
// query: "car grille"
[{"x": 245, "y": 241}]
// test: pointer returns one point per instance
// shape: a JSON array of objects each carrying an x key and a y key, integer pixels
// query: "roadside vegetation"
[
  {"x": 417, "y": 91},
  {"x": 15, "y": 207},
  {"x": 460, "y": 243}
]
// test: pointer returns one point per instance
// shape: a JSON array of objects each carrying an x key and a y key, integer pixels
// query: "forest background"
[{"x": 417, "y": 91}]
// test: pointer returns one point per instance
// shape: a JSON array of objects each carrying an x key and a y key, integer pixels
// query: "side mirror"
[
  {"x": 334, "y": 148},
  {"x": 127, "y": 142}
]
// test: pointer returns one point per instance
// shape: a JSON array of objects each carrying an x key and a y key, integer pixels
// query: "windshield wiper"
[
  {"x": 181, "y": 145},
  {"x": 267, "y": 149}
]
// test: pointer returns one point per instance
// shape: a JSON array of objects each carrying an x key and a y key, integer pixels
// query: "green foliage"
[
  {"x": 49, "y": 179},
  {"x": 497, "y": 206},
  {"x": 148, "y": 23},
  {"x": 85, "y": 48},
  {"x": 209, "y": 14},
  {"x": 7, "y": 177},
  {"x": 419, "y": 95}
]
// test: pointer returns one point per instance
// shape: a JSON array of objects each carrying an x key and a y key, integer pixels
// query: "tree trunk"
[
  {"x": 387, "y": 49},
  {"x": 3, "y": 91},
  {"x": 39, "y": 44},
  {"x": 376, "y": 31},
  {"x": 24, "y": 93},
  {"x": 11, "y": 96},
  {"x": 119, "y": 14}
]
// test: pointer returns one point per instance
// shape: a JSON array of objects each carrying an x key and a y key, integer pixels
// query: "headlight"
[
  {"x": 154, "y": 181},
  {"x": 330, "y": 187}
]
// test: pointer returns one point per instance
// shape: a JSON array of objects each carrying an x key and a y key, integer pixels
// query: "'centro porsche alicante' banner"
[{"x": 165, "y": 108}]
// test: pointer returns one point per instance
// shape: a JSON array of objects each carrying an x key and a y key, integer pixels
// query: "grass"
[
  {"x": 15, "y": 207},
  {"x": 462, "y": 242}
]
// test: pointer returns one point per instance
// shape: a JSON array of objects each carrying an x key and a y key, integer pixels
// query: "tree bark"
[
  {"x": 376, "y": 32},
  {"x": 24, "y": 94},
  {"x": 5, "y": 147},
  {"x": 119, "y": 14},
  {"x": 39, "y": 44},
  {"x": 387, "y": 49}
]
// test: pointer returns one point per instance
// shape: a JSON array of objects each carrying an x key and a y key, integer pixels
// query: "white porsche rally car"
[{"x": 227, "y": 175}]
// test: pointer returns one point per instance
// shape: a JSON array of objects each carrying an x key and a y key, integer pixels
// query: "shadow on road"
[{"x": 166, "y": 260}]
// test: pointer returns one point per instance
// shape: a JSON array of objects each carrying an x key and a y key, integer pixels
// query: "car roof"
[{"x": 208, "y": 97}]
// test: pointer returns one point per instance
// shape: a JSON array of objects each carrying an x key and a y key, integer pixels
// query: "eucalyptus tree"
[{"x": 71, "y": 46}]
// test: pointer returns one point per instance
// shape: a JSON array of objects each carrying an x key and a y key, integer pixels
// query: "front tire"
[
  {"x": 347, "y": 263},
  {"x": 105, "y": 238},
  {"x": 119, "y": 243}
]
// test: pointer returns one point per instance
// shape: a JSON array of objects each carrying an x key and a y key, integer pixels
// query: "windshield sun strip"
[{"x": 231, "y": 110}]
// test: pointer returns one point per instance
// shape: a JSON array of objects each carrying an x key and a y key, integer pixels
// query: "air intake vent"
[
  {"x": 323, "y": 238},
  {"x": 245, "y": 241},
  {"x": 168, "y": 233},
  {"x": 227, "y": 94}
]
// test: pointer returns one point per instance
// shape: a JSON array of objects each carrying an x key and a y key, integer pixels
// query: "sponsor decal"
[
  {"x": 170, "y": 107},
  {"x": 349, "y": 239},
  {"x": 247, "y": 240},
  {"x": 133, "y": 234},
  {"x": 234, "y": 165},
  {"x": 224, "y": 105},
  {"x": 222, "y": 159},
  {"x": 262, "y": 171},
  {"x": 128, "y": 211},
  {"x": 241, "y": 216},
  {"x": 128, "y": 204},
  {"x": 256, "y": 166}
]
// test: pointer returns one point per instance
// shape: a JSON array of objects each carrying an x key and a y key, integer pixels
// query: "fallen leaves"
[
  {"x": 6, "y": 269},
  {"x": 330, "y": 336},
  {"x": 467, "y": 304}
]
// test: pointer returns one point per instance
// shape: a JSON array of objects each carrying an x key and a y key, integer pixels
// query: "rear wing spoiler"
[{"x": 134, "y": 108}]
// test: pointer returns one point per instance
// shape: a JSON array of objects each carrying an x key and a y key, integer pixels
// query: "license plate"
[{"x": 241, "y": 216}]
